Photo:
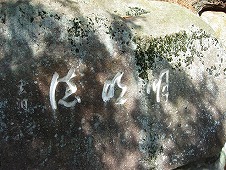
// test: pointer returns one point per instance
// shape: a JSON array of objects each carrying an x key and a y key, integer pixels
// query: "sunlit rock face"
[
  {"x": 217, "y": 20},
  {"x": 93, "y": 85}
]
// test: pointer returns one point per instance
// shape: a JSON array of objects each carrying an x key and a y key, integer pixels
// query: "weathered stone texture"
[{"x": 126, "y": 45}]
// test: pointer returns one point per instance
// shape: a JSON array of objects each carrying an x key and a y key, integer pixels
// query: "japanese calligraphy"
[
  {"x": 109, "y": 88},
  {"x": 23, "y": 104},
  {"x": 69, "y": 90},
  {"x": 158, "y": 84},
  {"x": 21, "y": 87}
]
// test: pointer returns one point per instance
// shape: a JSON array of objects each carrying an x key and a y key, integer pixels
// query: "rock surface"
[
  {"x": 217, "y": 20},
  {"x": 99, "y": 85}
]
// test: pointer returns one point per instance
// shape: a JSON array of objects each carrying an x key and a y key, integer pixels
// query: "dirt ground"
[{"x": 198, "y": 5}]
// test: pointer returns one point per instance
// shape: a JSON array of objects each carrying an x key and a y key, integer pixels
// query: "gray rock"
[
  {"x": 99, "y": 85},
  {"x": 218, "y": 22}
]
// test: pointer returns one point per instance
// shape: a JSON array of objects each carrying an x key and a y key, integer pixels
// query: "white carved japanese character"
[
  {"x": 157, "y": 84},
  {"x": 23, "y": 104},
  {"x": 108, "y": 89},
  {"x": 69, "y": 90},
  {"x": 21, "y": 87}
]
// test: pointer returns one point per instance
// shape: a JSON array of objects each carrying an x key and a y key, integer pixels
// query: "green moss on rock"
[
  {"x": 169, "y": 49},
  {"x": 136, "y": 11}
]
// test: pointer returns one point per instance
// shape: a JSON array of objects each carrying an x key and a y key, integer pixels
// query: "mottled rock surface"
[
  {"x": 217, "y": 20},
  {"x": 138, "y": 85}
]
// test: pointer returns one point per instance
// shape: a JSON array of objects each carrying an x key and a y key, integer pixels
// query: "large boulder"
[{"x": 100, "y": 85}]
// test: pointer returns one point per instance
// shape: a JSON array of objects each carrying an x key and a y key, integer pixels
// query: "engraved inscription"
[
  {"x": 160, "y": 86},
  {"x": 109, "y": 89},
  {"x": 72, "y": 88}
]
